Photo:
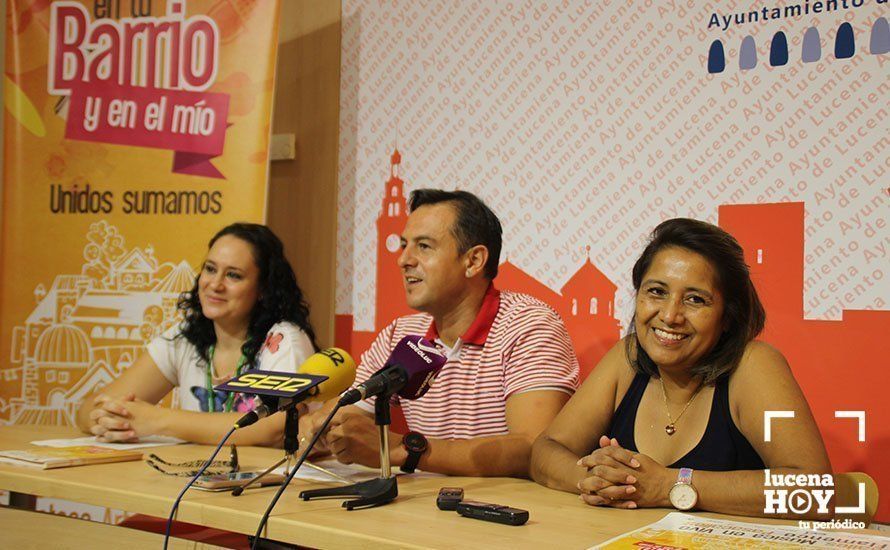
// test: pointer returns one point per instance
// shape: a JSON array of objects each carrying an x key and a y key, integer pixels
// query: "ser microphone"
[
  {"x": 323, "y": 376},
  {"x": 410, "y": 370}
]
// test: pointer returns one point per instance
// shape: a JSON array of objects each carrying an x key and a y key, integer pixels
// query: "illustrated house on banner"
[
  {"x": 134, "y": 270},
  {"x": 52, "y": 353},
  {"x": 86, "y": 330},
  {"x": 61, "y": 357},
  {"x": 511, "y": 277},
  {"x": 53, "y": 307},
  {"x": 180, "y": 279}
]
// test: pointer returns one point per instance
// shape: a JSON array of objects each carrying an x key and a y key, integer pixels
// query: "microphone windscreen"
[
  {"x": 421, "y": 361},
  {"x": 334, "y": 363}
]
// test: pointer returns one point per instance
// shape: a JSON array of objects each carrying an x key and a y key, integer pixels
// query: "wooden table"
[{"x": 557, "y": 519}]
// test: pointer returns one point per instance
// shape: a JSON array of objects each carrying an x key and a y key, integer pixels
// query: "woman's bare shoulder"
[
  {"x": 614, "y": 370},
  {"x": 761, "y": 359},
  {"x": 762, "y": 370}
]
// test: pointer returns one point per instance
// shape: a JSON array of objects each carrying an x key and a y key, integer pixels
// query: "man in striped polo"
[{"x": 511, "y": 366}]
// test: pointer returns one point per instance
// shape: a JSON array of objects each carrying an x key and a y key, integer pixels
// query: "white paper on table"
[
  {"x": 355, "y": 473},
  {"x": 144, "y": 442}
]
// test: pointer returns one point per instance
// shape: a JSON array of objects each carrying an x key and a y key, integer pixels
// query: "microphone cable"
[
  {"x": 191, "y": 481},
  {"x": 265, "y": 518}
]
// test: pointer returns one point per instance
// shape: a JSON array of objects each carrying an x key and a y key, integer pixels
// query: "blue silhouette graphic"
[
  {"x": 716, "y": 58},
  {"x": 778, "y": 50},
  {"x": 880, "y": 37},
  {"x": 844, "y": 43},
  {"x": 748, "y": 54},
  {"x": 812, "y": 47},
  {"x": 844, "y": 47}
]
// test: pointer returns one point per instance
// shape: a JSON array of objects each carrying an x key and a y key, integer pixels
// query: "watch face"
[
  {"x": 414, "y": 442},
  {"x": 683, "y": 496},
  {"x": 393, "y": 242}
]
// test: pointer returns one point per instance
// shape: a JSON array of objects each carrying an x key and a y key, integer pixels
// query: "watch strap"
[
  {"x": 413, "y": 457},
  {"x": 411, "y": 462},
  {"x": 685, "y": 476}
]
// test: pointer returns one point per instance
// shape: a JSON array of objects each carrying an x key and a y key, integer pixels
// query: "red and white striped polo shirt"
[{"x": 516, "y": 344}]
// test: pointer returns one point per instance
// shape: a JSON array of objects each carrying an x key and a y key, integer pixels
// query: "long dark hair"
[
  {"x": 743, "y": 314},
  {"x": 280, "y": 298}
]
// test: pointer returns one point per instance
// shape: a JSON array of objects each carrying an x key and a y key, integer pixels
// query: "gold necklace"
[{"x": 671, "y": 428}]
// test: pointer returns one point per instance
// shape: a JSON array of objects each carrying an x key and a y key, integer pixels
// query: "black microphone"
[
  {"x": 410, "y": 370},
  {"x": 267, "y": 406}
]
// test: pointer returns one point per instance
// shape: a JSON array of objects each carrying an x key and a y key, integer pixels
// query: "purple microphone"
[{"x": 410, "y": 370}]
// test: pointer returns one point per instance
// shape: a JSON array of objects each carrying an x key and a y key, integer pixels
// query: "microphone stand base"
[{"x": 374, "y": 492}]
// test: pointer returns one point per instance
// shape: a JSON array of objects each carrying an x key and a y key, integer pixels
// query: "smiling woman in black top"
[{"x": 674, "y": 413}]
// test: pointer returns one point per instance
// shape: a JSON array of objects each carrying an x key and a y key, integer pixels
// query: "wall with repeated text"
[{"x": 585, "y": 124}]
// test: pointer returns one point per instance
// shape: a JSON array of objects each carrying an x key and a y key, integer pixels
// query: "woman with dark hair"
[
  {"x": 245, "y": 311},
  {"x": 673, "y": 415}
]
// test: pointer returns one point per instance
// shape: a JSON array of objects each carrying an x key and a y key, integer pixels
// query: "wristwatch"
[
  {"x": 683, "y": 495},
  {"x": 416, "y": 445}
]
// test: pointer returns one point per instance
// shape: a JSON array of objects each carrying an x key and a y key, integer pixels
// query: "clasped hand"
[
  {"x": 122, "y": 419},
  {"x": 620, "y": 478}
]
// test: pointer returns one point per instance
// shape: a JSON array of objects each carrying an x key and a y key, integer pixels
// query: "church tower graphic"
[
  {"x": 586, "y": 303},
  {"x": 588, "y": 310},
  {"x": 390, "y": 295},
  {"x": 777, "y": 264}
]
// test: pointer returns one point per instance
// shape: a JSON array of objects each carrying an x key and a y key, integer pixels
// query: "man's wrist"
[
  {"x": 416, "y": 446},
  {"x": 397, "y": 452}
]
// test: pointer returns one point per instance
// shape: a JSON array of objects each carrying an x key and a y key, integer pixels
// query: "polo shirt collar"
[{"x": 478, "y": 332}]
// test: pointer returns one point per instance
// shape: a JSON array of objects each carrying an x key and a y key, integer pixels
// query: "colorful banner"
[
  {"x": 134, "y": 130},
  {"x": 585, "y": 124}
]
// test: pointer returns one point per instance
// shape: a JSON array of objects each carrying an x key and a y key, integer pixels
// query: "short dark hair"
[
  {"x": 475, "y": 223},
  {"x": 280, "y": 297},
  {"x": 743, "y": 314}
]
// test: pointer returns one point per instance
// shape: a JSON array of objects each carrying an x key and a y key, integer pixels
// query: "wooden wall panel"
[{"x": 302, "y": 199}]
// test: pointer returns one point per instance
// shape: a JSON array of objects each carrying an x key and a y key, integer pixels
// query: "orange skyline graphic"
[
  {"x": 586, "y": 302},
  {"x": 825, "y": 356},
  {"x": 840, "y": 365}
]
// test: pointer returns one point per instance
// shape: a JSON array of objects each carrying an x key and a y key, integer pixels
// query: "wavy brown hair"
[
  {"x": 743, "y": 314},
  {"x": 280, "y": 297}
]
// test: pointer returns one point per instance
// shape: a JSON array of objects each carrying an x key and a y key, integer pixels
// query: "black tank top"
[{"x": 722, "y": 448}]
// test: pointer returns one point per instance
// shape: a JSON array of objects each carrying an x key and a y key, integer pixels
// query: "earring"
[{"x": 469, "y": 273}]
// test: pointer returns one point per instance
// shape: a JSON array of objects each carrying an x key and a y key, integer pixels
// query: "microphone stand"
[
  {"x": 374, "y": 492},
  {"x": 291, "y": 435},
  {"x": 291, "y": 445}
]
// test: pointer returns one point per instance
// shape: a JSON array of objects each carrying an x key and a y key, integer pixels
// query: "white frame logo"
[{"x": 809, "y": 488}]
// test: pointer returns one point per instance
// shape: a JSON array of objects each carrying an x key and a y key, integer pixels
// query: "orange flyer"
[
  {"x": 67, "y": 456},
  {"x": 678, "y": 531}
]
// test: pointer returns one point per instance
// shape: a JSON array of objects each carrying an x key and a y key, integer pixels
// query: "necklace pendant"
[{"x": 670, "y": 429}]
